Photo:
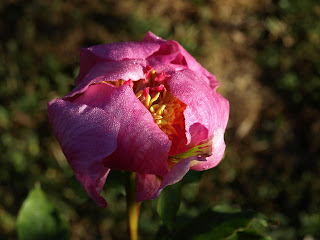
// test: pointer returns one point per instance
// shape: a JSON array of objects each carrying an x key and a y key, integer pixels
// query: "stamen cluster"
[{"x": 154, "y": 93}]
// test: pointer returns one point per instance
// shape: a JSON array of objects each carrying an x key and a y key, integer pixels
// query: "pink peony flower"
[{"x": 147, "y": 107}]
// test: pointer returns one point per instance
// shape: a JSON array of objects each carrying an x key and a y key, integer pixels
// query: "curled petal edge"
[
  {"x": 73, "y": 126},
  {"x": 204, "y": 156},
  {"x": 149, "y": 186}
]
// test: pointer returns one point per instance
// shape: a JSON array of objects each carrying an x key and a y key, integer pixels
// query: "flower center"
[
  {"x": 165, "y": 109},
  {"x": 154, "y": 93}
]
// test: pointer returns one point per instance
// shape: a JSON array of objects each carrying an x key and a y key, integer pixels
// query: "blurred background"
[{"x": 266, "y": 56}]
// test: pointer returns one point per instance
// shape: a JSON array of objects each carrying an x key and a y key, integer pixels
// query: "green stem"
[{"x": 133, "y": 208}]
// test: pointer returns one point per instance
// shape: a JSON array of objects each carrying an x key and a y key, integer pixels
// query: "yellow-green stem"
[{"x": 133, "y": 208}]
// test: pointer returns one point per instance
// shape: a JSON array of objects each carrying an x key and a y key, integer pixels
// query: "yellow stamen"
[
  {"x": 157, "y": 117},
  {"x": 139, "y": 94},
  {"x": 160, "y": 110},
  {"x": 155, "y": 98},
  {"x": 147, "y": 102},
  {"x": 119, "y": 83},
  {"x": 155, "y": 106}
]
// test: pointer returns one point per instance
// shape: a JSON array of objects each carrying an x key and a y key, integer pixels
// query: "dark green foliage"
[
  {"x": 224, "y": 223},
  {"x": 290, "y": 51},
  {"x": 221, "y": 222},
  {"x": 169, "y": 203},
  {"x": 38, "y": 219}
]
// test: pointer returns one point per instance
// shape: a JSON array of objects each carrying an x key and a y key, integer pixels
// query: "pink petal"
[
  {"x": 86, "y": 135},
  {"x": 198, "y": 133},
  {"x": 177, "y": 172},
  {"x": 142, "y": 146},
  {"x": 195, "y": 66},
  {"x": 218, "y": 148},
  {"x": 151, "y": 37},
  {"x": 95, "y": 189},
  {"x": 102, "y": 179},
  {"x": 166, "y": 63},
  {"x": 124, "y": 50},
  {"x": 169, "y": 53},
  {"x": 87, "y": 61},
  {"x": 147, "y": 186},
  {"x": 170, "y": 48},
  {"x": 110, "y": 71},
  {"x": 113, "y": 52},
  {"x": 204, "y": 106}
]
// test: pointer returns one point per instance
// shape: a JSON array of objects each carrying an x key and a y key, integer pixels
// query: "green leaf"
[
  {"x": 224, "y": 222},
  {"x": 39, "y": 219},
  {"x": 249, "y": 235},
  {"x": 169, "y": 203}
]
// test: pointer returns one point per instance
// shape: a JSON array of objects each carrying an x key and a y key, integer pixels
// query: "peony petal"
[
  {"x": 172, "y": 48},
  {"x": 87, "y": 61},
  {"x": 113, "y": 52},
  {"x": 102, "y": 179},
  {"x": 196, "y": 67},
  {"x": 111, "y": 71},
  {"x": 205, "y": 108},
  {"x": 168, "y": 53},
  {"x": 124, "y": 50},
  {"x": 198, "y": 133},
  {"x": 147, "y": 186},
  {"x": 151, "y": 37},
  {"x": 218, "y": 148},
  {"x": 142, "y": 146},
  {"x": 86, "y": 135},
  {"x": 177, "y": 172},
  {"x": 166, "y": 63},
  {"x": 95, "y": 189}
]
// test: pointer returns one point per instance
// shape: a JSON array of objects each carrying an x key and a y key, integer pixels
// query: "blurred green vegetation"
[
  {"x": 266, "y": 56},
  {"x": 39, "y": 219}
]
